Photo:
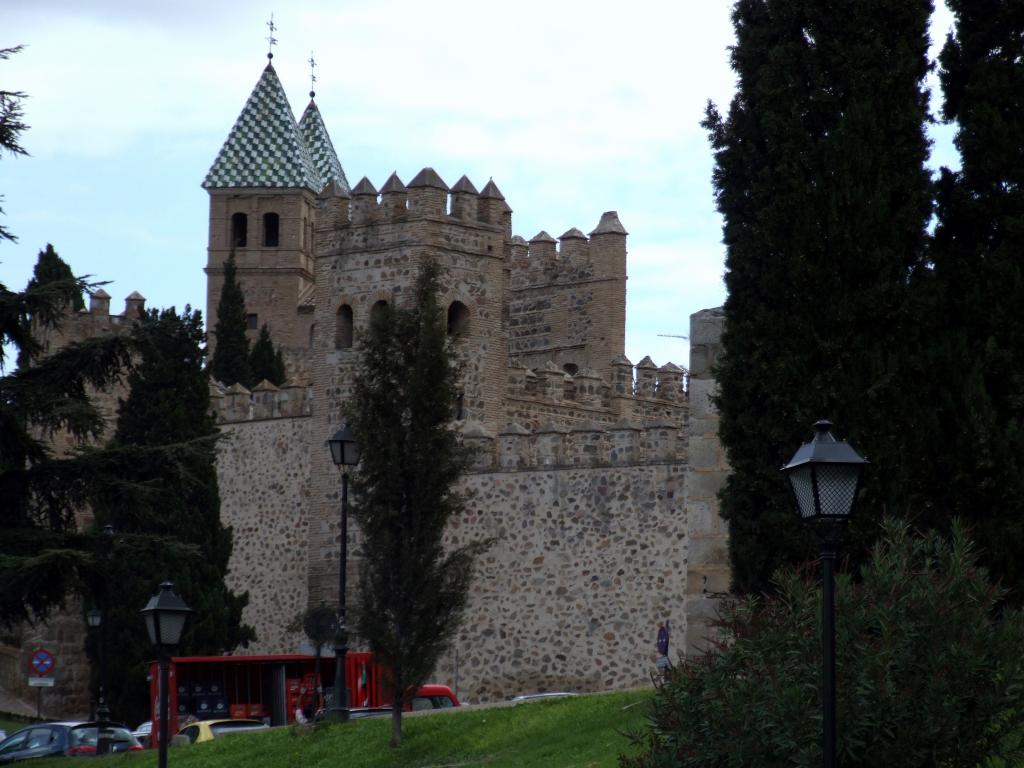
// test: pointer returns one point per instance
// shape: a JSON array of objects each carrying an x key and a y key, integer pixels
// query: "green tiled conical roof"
[
  {"x": 265, "y": 147},
  {"x": 321, "y": 150}
]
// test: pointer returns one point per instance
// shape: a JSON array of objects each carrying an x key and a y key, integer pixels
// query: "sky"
[{"x": 573, "y": 107}]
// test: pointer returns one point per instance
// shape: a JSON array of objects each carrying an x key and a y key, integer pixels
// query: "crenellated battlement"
[
  {"x": 234, "y": 404},
  {"x": 426, "y": 195},
  {"x": 516, "y": 448}
]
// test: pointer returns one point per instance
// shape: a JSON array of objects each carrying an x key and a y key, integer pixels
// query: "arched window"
[
  {"x": 377, "y": 310},
  {"x": 460, "y": 406},
  {"x": 312, "y": 334},
  {"x": 239, "y": 225},
  {"x": 343, "y": 328},
  {"x": 458, "y": 318},
  {"x": 571, "y": 368},
  {"x": 271, "y": 229}
]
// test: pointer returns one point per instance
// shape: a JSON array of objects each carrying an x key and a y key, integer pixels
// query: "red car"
[{"x": 432, "y": 697}]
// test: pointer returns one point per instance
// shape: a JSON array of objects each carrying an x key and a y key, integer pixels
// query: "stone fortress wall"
[{"x": 596, "y": 525}]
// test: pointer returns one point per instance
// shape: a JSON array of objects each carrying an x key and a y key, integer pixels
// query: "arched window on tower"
[
  {"x": 343, "y": 328},
  {"x": 458, "y": 318},
  {"x": 239, "y": 225},
  {"x": 271, "y": 228},
  {"x": 377, "y": 310}
]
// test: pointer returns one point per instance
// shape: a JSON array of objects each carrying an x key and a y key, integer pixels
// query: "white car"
[{"x": 143, "y": 732}]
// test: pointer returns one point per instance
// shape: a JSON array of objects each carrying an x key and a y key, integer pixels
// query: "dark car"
[{"x": 67, "y": 738}]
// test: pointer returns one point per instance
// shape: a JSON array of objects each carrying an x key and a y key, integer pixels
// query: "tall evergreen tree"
[
  {"x": 412, "y": 592},
  {"x": 820, "y": 178},
  {"x": 978, "y": 282},
  {"x": 44, "y": 557},
  {"x": 12, "y": 125},
  {"x": 50, "y": 268},
  {"x": 174, "y": 501},
  {"x": 230, "y": 362},
  {"x": 265, "y": 362}
]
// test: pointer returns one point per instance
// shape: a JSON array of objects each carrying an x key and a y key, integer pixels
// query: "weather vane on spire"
[
  {"x": 312, "y": 75},
  {"x": 271, "y": 40}
]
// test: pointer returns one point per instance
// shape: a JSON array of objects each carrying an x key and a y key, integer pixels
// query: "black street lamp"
[
  {"x": 825, "y": 477},
  {"x": 95, "y": 620},
  {"x": 345, "y": 454},
  {"x": 165, "y": 615}
]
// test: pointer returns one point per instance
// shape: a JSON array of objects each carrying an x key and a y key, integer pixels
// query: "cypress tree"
[
  {"x": 412, "y": 591},
  {"x": 265, "y": 362},
  {"x": 50, "y": 268},
  {"x": 169, "y": 508},
  {"x": 230, "y": 362},
  {"x": 978, "y": 281},
  {"x": 820, "y": 178}
]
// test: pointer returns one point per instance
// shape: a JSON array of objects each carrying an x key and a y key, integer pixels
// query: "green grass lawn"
[{"x": 581, "y": 732}]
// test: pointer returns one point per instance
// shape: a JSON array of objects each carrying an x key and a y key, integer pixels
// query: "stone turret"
[
  {"x": 428, "y": 194},
  {"x": 464, "y": 199},
  {"x": 394, "y": 196}
]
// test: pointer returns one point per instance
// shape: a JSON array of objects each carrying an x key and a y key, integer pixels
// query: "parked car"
[
  {"x": 208, "y": 730},
  {"x": 67, "y": 738},
  {"x": 144, "y": 732},
  {"x": 541, "y": 696},
  {"x": 360, "y": 712},
  {"x": 432, "y": 697}
]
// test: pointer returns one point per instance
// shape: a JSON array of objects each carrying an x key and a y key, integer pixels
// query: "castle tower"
[{"x": 263, "y": 189}]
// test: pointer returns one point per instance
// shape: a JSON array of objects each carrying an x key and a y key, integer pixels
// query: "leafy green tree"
[
  {"x": 230, "y": 362},
  {"x": 12, "y": 124},
  {"x": 927, "y": 661},
  {"x": 265, "y": 362},
  {"x": 170, "y": 501},
  {"x": 977, "y": 286},
  {"x": 820, "y": 178},
  {"x": 412, "y": 591}
]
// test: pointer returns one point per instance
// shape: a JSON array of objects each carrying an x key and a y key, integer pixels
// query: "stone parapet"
[{"x": 265, "y": 401}]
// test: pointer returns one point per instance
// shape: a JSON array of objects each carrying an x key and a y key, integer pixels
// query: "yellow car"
[{"x": 208, "y": 730}]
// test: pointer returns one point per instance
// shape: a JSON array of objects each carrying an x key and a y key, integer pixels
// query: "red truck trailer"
[
  {"x": 261, "y": 687},
  {"x": 273, "y": 687}
]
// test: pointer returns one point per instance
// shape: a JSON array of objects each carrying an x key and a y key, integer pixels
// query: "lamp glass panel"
[
  {"x": 151, "y": 627},
  {"x": 351, "y": 453},
  {"x": 837, "y": 488},
  {"x": 337, "y": 450},
  {"x": 802, "y": 481},
  {"x": 171, "y": 625},
  {"x": 94, "y": 617}
]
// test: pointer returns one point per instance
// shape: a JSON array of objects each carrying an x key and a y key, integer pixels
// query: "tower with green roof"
[{"x": 264, "y": 187}]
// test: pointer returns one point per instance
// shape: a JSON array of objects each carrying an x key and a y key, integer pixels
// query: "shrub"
[{"x": 928, "y": 670}]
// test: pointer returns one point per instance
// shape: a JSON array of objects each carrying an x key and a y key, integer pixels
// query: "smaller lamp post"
[
  {"x": 345, "y": 454},
  {"x": 825, "y": 477},
  {"x": 165, "y": 615},
  {"x": 95, "y": 620}
]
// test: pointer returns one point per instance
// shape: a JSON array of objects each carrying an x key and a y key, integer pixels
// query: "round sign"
[{"x": 42, "y": 662}]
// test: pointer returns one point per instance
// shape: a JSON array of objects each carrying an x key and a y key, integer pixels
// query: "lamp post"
[
  {"x": 345, "y": 454},
  {"x": 165, "y": 615},
  {"x": 824, "y": 475},
  {"x": 95, "y": 620}
]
